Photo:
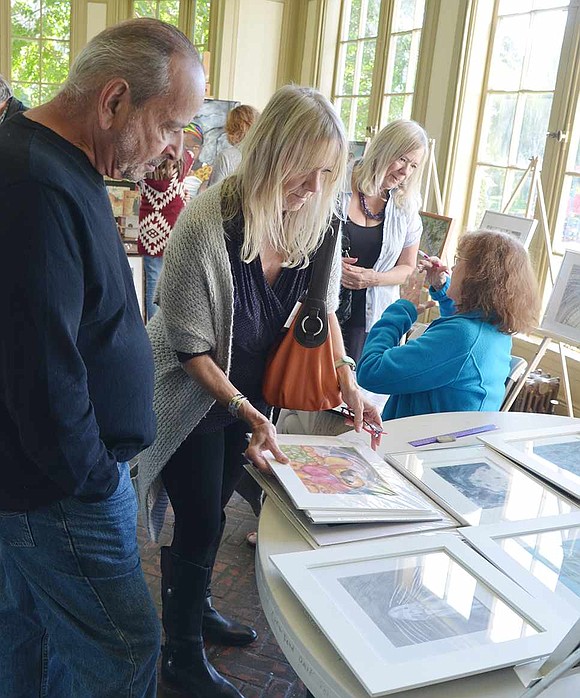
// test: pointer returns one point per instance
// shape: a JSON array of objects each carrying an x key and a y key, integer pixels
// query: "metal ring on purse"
[{"x": 318, "y": 331}]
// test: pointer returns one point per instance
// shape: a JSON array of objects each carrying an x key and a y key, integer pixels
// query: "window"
[
  {"x": 201, "y": 17},
  {"x": 40, "y": 48},
  {"x": 374, "y": 78},
  {"x": 175, "y": 12},
  {"x": 521, "y": 84},
  {"x": 165, "y": 10}
]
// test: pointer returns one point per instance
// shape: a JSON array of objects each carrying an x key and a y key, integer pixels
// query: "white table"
[{"x": 308, "y": 651}]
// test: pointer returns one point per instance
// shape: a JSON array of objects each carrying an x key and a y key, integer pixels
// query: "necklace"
[{"x": 369, "y": 214}]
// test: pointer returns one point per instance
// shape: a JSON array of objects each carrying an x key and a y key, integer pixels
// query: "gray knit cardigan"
[{"x": 196, "y": 297}]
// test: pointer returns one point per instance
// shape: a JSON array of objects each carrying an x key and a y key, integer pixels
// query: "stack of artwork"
[
  {"x": 336, "y": 482},
  {"x": 501, "y": 589}
]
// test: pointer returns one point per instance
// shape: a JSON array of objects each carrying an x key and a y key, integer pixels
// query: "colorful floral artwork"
[{"x": 334, "y": 470}]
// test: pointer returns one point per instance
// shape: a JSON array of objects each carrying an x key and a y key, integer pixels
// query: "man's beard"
[{"x": 126, "y": 148}]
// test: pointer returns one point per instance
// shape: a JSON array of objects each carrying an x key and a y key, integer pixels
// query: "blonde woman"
[
  {"x": 383, "y": 227},
  {"x": 234, "y": 268}
]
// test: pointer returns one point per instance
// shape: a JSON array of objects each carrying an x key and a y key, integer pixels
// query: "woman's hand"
[
  {"x": 436, "y": 272},
  {"x": 263, "y": 439},
  {"x": 362, "y": 410},
  {"x": 411, "y": 291},
  {"x": 356, "y": 278}
]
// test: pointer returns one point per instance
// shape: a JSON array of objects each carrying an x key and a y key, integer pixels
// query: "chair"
[{"x": 518, "y": 367}]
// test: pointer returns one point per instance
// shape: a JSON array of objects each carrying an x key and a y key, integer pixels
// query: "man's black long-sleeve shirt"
[{"x": 76, "y": 369}]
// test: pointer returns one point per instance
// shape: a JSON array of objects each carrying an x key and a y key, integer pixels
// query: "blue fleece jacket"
[{"x": 459, "y": 364}]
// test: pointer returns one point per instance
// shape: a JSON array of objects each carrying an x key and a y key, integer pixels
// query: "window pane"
[
  {"x": 362, "y": 119},
  {"x": 509, "y": 49},
  {"x": 520, "y": 203},
  {"x": 56, "y": 19},
  {"x": 571, "y": 223},
  {"x": 367, "y": 66},
  {"x": 544, "y": 55},
  {"x": 393, "y": 107},
  {"x": 372, "y": 18},
  {"x": 144, "y": 8},
  {"x": 28, "y": 93},
  {"x": 488, "y": 190},
  {"x": 547, "y": 4},
  {"x": 26, "y": 18},
  {"x": 497, "y": 128},
  {"x": 408, "y": 14},
  {"x": 344, "y": 107},
  {"x": 201, "y": 24},
  {"x": 532, "y": 140},
  {"x": 169, "y": 12},
  {"x": 352, "y": 18},
  {"x": 510, "y": 6},
  {"x": 55, "y": 61},
  {"x": 25, "y": 60},
  {"x": 401, "y": 51},
  {"x": 348, "y": 62}
]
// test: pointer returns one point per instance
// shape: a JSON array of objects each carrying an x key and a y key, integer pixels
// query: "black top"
[
  {"x": 365, "y": 243},
  {"x": 76, "y": 368},
  {"x": 260, "y": 311}
]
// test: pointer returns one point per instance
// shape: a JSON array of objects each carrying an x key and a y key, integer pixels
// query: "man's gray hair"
[
  {"x": 138, "y": 50},
  {"x": 5, "y": 89}
]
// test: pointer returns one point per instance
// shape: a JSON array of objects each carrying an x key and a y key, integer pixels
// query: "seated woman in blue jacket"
[{"x": 462, "y": 360}]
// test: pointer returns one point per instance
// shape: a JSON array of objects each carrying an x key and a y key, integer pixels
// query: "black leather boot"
[
  {"x": 217, "y": 628},
  {"x": 224, "y": 631},
  {"x": 184, "y": 664}
]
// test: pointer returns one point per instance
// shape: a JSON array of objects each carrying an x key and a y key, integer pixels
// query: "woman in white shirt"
[{"x": 383, "y": 227}]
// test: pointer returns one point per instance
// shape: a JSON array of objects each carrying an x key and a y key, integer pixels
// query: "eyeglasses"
[{"x": 456, "y": 259}]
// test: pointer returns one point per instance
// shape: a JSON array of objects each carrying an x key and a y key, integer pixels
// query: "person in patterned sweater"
[{"x": 163, "y": 196}]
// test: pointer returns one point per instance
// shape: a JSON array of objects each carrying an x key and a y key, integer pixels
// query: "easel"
[
  {"x": 536, "y": 186},
  {"x": 432, "y": 175},
  {"x": 562, "y": 662}
]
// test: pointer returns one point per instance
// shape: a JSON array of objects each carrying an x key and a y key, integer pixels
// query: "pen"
[
  {"x": 368, "y": 427},
  {"x": 426, "y": 256}
]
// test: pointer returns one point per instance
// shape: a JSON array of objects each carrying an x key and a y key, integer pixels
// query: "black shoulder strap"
[{"x": 311, "y": 328}]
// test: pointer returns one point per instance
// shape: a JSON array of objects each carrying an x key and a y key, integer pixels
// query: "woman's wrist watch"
[{"x": 345, "y": 361}]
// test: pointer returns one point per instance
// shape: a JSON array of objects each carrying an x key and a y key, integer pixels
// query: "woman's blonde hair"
[
  {"x": 390, "y": 143},
  {"x": 238, "y": 122},
  {"x": 298, "y": 132},
  {"x": 499, "y": 281}
]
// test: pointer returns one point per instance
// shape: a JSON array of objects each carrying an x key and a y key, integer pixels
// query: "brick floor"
[{"x": 259, "y": 670}]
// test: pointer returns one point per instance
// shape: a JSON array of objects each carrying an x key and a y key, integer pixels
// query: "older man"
[
  {"x": 76, "y": 372},
  {"x": 9, "y": 105}
]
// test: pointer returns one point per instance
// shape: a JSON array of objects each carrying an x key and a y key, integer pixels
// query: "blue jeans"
[
  {"x": 76, "y": 618},
  {"x": 152, "y": 270}
]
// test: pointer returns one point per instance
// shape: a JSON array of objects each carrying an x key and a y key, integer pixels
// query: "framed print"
[
  {"x": 553, "y": 453},
  {"x": 516, "y": 226},
  {"x": 356, "y": 149},
  {"x": 337, "y": 481},
  {"x": 435, "y": 231},
  {"x": 418, "y": 610},
  {"x": 125, "y": 201},
  {"x": 136, "y": 264},
  {"x": 479, "y": 486},
  {"x": 562, "y": 317},
  {"x": 541, "y": 555},
  {"x": 321, "y": 534},
  {"x": 212, "y": 120}
]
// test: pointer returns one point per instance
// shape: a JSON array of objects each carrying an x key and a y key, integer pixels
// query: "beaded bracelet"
[{"x": 235, "y": 403}]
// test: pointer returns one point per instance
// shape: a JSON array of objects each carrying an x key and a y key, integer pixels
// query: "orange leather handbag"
[{"x": 300, "y": 374}]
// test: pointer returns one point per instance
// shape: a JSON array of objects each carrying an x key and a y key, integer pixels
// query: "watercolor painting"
[
  {"x": 408, "y": 612},
  {"x": 482, "y": 483},
  {"x": 435, "y": 231},
  {"x": 334, "y": 470},
  {"x": 565, "y": 455}
]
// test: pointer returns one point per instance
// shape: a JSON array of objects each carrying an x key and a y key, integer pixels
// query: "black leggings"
[{"x": 200, "y": 478}]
